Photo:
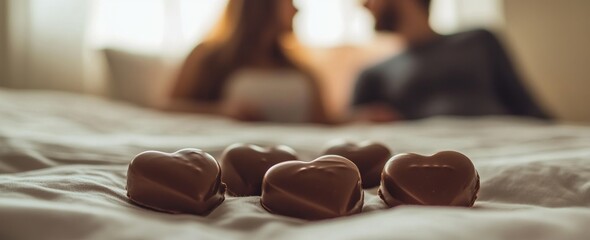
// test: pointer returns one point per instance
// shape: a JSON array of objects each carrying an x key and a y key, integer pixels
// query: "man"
[{"x": 465, "y": 74}]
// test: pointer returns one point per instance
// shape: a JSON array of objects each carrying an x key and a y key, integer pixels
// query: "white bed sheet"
[{"x": 63, "y": 162}]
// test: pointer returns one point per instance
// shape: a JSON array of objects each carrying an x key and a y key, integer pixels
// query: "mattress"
[{"x": 64, "y": 157}]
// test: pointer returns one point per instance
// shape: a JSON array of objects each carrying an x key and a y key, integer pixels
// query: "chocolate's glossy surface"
[
  {"x": 369, "y": 157},
  {"x": 243, "y": 166},
  {"x": 444, "y": 179},
  {"x": 327, "y": 187},
  {"x": 187, "y": 181}
]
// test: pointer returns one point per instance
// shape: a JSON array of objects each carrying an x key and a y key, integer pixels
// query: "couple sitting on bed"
[{"x": 242, "y": 71}]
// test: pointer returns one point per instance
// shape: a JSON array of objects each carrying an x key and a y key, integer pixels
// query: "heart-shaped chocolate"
[
  {"x": 243, "y": 166},
  {"x": 187, "y": 181},
  {"x": 327, "y": 187},
  {"x": 369, "y": 157},
  {"x": 444, "y": 179}
]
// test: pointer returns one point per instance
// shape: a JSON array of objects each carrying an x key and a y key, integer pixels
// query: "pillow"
[{"x": 139, "y": 78}]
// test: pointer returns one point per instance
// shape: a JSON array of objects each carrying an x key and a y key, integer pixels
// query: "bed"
[{"x": 63, "y": 163}]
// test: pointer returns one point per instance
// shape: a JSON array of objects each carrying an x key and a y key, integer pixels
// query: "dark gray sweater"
[{"x": 465, "y": 74}]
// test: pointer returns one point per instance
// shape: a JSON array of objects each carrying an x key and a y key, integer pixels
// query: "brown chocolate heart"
[
  {"x": 243, "y": 166},
  {"x": 187, "y": 181},
  {"x": 369, "y": 157},
  {"x": 327, "y": 187},
  {"x": 444, "y": 179}
]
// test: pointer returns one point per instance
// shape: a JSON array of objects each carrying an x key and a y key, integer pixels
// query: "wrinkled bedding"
[{"x": 63, "y": 162}]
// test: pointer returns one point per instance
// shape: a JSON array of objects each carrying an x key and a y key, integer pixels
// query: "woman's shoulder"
[{"x": 205, "y": 53}]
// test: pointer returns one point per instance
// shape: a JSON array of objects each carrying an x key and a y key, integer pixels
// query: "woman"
[
  {"x": 465, "y": 74},
  {"x": 242, "y": 71}
]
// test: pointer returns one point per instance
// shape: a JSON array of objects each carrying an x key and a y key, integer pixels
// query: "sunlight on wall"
[
  {"x": 197, "y": 18},
  {"x": 487, "y": 13},
  {"x": 450, "y": 16},
  {"x": 332, "y": 22},
  {"x": 131, "y": 24},
  {"x": 444, "y": 16}
]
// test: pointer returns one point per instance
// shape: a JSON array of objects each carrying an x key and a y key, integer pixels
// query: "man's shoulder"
[
  {"x": 474, "y": 35},
  {"x": 385, "y": 65}
]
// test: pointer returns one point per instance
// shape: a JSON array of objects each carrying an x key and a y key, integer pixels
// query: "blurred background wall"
[
  {"x": 551, "y": 42},
  {"x": 57, "y": 44}
]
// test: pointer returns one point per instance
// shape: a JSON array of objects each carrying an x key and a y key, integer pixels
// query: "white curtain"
[
  {"x": 151, "y": 25},
  {"x": 175, "y": 25}
]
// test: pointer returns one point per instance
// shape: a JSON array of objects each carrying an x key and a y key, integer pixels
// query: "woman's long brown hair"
[{"x": 233, "y": 44}]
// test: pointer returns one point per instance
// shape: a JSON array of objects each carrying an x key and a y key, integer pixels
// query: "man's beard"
[{"x": 387, "y": 21}]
